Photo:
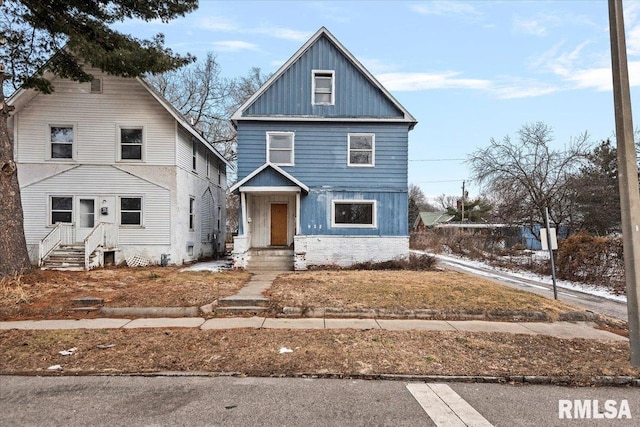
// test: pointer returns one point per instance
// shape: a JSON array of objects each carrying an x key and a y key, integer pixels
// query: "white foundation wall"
[{"x": 344, "y": 251}]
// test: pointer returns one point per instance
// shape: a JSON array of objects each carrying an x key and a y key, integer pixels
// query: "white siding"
[
  {"x": 100, "y": 181},
  {"x": 96, "y": 117}
]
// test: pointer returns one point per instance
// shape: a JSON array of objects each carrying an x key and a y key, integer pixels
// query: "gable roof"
[
  {"x": 240, "y": 113},
  {"x": 277, "y": 169},
  {"x": 22, "y": 96},
  {"x": 429, "y": 219}
]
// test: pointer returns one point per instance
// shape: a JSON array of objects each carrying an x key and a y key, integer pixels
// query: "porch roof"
[{"x": 269, "y": 177}]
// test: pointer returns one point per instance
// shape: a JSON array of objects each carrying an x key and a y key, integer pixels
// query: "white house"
[{"x": 109, "y": 166}]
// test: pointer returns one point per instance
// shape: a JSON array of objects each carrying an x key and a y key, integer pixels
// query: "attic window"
[
  {"x": 96, "y": 86},
  {"x": 323, "y": 87}
]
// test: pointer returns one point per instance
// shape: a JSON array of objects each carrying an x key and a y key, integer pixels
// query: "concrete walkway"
[{"x": 556, "y": 329}]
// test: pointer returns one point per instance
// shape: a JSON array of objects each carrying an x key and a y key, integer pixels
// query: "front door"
[
  {"x": 278, "y": 224},
  {"x": 86, "y": 218}
]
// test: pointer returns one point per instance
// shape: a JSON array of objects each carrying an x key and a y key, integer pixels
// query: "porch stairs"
[
  {"x": 270, "y": 259},
  {"x": 250, "y": 299},
  {"x": 65, "y": 257}
]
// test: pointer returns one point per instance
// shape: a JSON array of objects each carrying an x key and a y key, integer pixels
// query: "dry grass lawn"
[
  {"x": 48, "y": 294},
  {"x": 342, "y": 352},
  {"x": 439, "y": 290},
  {"x": 255, "y": 351}
]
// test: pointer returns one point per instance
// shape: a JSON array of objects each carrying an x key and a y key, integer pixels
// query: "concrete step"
[
  {"x": 62, "y": 268},
  {"x": 87, "y": 301},
  {"x": 238, "y": 301},
  {"x": 270, "y": 252},
  {"x": 241, "y": 309},
  {"x": 88, "y": 309}
]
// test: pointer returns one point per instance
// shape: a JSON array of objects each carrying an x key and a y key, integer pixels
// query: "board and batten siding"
[
  {"x": 391, "y": 211},
  {"x": 260, "y": 214},
  {"x": 355, "y": 95},
  {"x": 96, "y": 117},
  {"x": 321, "y": 153},
  {"x": 94, "y": 181}
]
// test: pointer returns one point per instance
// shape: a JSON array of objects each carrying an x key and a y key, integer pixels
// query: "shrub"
[{"x": 415, "y": 262}]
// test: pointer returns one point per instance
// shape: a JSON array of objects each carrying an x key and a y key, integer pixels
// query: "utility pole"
[
  {"x": 627, "y": 174},
  {"x": 462, "y": 205}
]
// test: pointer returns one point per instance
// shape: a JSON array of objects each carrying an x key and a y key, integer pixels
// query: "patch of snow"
[
  {"x": 581, "y": 287},
  {"x": 212, "y": 266}
]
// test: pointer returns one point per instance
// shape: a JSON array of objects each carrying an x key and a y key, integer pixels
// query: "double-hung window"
[
  {"x": 280, "y": 148},
  {"x": 131, "y": 210},
  {"x": 131, "y": 143},
  {"x": 61, "y": 209},
  {"x": 61, "y": 140},
  {"x": 354, "y": 213},
  {"x": 361, "y": 149},
  {"x": 323, "y": 90},
  {"x": 192, "y": 213}
]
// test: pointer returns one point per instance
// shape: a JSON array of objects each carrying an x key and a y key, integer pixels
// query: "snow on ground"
[
  {"x": 213, "y": 266},
  {"x": 581, "y": 287}
]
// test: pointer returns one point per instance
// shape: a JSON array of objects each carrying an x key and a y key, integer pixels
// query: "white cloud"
[
  {"x": 377, "y": 66},
  {"x": 632, "y": 24},
  {"x": 214, "y": 23},
  {"x": 530, "y": 26},
  {"x": 280, "y": 33},
  {"x": 510, "y": 88},
  {"x": 445, "y": 8},
  {"x": 233, "y": 46},
  {"x": 424, "y": 81}
]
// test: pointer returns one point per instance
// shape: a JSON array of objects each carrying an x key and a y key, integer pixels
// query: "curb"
[
  {"x": 561, "y": 380},
  {"x": 431, "y": 314},
  {"x": 151, "y": 311}
]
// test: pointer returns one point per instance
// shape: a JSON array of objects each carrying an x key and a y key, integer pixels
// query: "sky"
[{"x": 468, "y": 71}]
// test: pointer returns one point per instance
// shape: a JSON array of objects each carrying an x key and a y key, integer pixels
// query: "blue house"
[{"x": 322, "y": 164}]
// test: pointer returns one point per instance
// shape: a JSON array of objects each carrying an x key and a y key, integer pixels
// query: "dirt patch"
[
  {"x": 48, "y": 294},
  {"x": 448, "y": 291},
  {"x": 257, "y": 352}
]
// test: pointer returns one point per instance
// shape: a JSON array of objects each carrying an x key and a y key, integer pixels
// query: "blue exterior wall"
[
  {"x": 315, "y": 213},
  {"x": 269, "y": 178},
  {"x": 291, "y": 93},
  {"x": 320, "y": 154}
]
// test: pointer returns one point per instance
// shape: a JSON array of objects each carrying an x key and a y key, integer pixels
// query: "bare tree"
[
  {"x": 204, "y": 98},
  {"x": 528, "y": 175},
  {"x": 444, "y": 202}
]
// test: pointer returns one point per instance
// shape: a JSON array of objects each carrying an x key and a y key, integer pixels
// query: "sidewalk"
[{"x": 566, "y": 330}]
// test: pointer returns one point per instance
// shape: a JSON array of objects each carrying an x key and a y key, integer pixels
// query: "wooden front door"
[{"x": 278, "y": 224}]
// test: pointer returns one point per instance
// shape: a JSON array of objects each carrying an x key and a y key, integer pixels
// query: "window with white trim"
[
  {"x": 61, "y": 140},
  {"x": 192, "y": 213},
  {"x": 280, "y": 148},
  {"x": 354, "y": 213},
  {"x": 131, "y": 142},
  {"x": 61, "y": 209},
  {"x": 323, "y": 87},
  {"x": 194, "y": 154},
  {"x": 131, "y": 210},
  {"x": 361, "y": 148}
]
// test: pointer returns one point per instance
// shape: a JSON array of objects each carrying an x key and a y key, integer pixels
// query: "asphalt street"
[{"x": 232, "y": 401}]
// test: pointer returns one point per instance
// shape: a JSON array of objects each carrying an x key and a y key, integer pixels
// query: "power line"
[
  {"x": 436, "y": 160},
  {"x": 447, "y": 180}
]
